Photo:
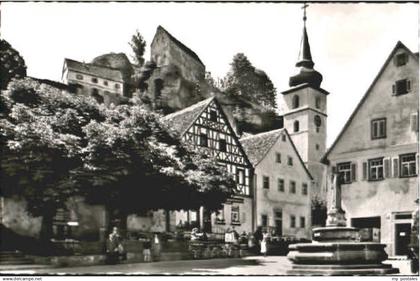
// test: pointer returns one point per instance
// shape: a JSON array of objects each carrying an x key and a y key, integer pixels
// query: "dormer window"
[
  {"x": 295, "y": 102},
  {"x": 106, "y": 83},
  {"x": 94, "y": 80},
  {"x": 401, "y": 59}
]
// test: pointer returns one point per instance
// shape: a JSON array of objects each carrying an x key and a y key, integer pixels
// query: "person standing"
[
  {"x": 156, "y": 246},
  {"x": 264, "y": 243},
  {"x": 147, "y": 255}
]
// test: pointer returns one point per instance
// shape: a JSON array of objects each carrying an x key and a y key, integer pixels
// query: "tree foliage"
[
  {"x": 56, "y": 145},
  {"x": 12, "y": 64},
  {"x": 253, "y": 84},
  {"x": 138, "y": 45}
]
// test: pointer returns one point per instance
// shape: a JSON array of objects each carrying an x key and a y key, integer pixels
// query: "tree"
[
  {"x": 40, "y": 138},
  {"x": 245, "y": 80},
  {"x": 138, "y": 45},
  {"x": 135, "y": 163},
  {"x": 12, "y": 64}
]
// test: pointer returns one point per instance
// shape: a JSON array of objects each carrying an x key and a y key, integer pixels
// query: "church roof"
[
  {"x": 399, "y": 45},
  {"x": 94, "y": 70},
  {"x": 307, "y": 73},
  {"x": 257, "y": 146},
  {"x": 181, "y": 120},
  {"x": 179, "y": 44}
]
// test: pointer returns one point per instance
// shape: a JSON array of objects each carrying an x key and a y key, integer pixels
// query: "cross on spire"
[{"x": 304, "y": 11}]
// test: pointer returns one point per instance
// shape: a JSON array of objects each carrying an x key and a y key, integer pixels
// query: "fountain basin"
[
  {"x": 335, "y": 233},
  {"x": 337, "y": 253}
]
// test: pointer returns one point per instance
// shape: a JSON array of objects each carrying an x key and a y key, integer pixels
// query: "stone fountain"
[{"x": 336, "y": 249}]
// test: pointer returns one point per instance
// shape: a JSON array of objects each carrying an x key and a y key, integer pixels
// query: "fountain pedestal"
[{"x": 336, "y": 249}]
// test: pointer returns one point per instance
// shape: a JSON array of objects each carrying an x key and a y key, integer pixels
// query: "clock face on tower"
[{"x": 317, "y": 121}]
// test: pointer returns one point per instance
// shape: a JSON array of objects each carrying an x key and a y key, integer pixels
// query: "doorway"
[{"x": 402, "y": 238}]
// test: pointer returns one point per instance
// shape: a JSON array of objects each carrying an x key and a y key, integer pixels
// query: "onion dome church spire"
[{"x": 307, "y": 74}]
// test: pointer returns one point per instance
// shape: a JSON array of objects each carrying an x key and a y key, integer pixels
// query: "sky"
[{"x": 349, "y": 42}]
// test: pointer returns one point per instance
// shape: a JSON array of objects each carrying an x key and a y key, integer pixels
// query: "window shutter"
[
  {"x": 395, "y": 166},
  {"x": 393, "y": 89},
  {"x": 365, "y": 170},
  {"x": 408, "y": 85},
  {"x": 353, "y": 172},
  {"x": 414, "y": 122},
  {"x": 387, "y": 169}
]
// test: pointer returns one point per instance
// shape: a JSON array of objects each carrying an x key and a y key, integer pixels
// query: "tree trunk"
[
  {"x": 46, "y": 232},
  {"x": 167, "y": 221}
]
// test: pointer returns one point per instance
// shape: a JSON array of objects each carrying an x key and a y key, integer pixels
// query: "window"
[
  {"x": 117, "y": 86},
  {"x": 203, "y": 140},
  {"x": 105, "y": 83},
  {"x": 213, "y": 115},
  {"x": 401, "y": 59},
  {"x": 240, "y": 176},
  {"x": 376, "y": 169},
  {"x": 280, "y": 185},
  {"x": 264, "y": 220},
  {"x": 289, "y": 161},
  {"x": 408, "y": 165},
  {"x": 304, "y": 189},
  {"x": 378, "y": 128},
  {"x": 295, "y": 102},
  {"x": 344, "y": 172},
  {"x": 292, "y": 187},
  {"x": 266, "y": 182},
  {"x": 278, "y": 221},
  {"x": 222, "y": 145},
  {"x": 220, "y": 216},
  {"x": 318, "y": 102},
  {"x": 292, "y": 221},
  {"x": 401, "y": 87},
  {"x": 235, "y": 215},
  {"x": 283, "y": 137},
  {"x": 296, "y": 126},
  {"x": 278, "y": 157},
  {"x": 94, "y": 80},
  {"x": 317, "y": 146},
  {"x": 302, "y": 222},
  {"x": 79, "y": 76}
]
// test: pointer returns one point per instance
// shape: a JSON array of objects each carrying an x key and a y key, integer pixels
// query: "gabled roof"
[
  {"x": 257, "y": 146},
  {"x": 181, "y": 120},
  {"x": 94, "y": 70},
  {"x": 178, "y": 43},
  {"x": 399, "y": 45}
]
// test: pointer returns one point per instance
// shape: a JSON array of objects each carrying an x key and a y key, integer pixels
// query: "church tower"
[{"x": 305, "y": 116}]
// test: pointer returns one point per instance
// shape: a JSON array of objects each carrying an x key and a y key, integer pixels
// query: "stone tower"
[{"x": 305, "y": 116}]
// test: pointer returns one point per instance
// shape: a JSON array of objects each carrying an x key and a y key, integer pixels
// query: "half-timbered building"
[{"x": 206, "y": 126}]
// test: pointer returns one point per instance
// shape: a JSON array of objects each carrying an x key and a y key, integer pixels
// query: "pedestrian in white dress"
[{"x": 264, "y": 242}]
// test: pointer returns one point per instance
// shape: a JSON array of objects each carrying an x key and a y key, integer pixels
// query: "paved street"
[{"x": 246, "y": 266}]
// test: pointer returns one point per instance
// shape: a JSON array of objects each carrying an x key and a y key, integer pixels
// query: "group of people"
[{"x": 115, "y": 250}]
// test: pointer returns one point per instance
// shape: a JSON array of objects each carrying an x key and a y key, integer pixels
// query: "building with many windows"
[
  {"x": 206, "y": 126},
  {"x": 376, "y": 154},
  {"x": 282, "y": 184},
  {"x": 105, "y": 84}
]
